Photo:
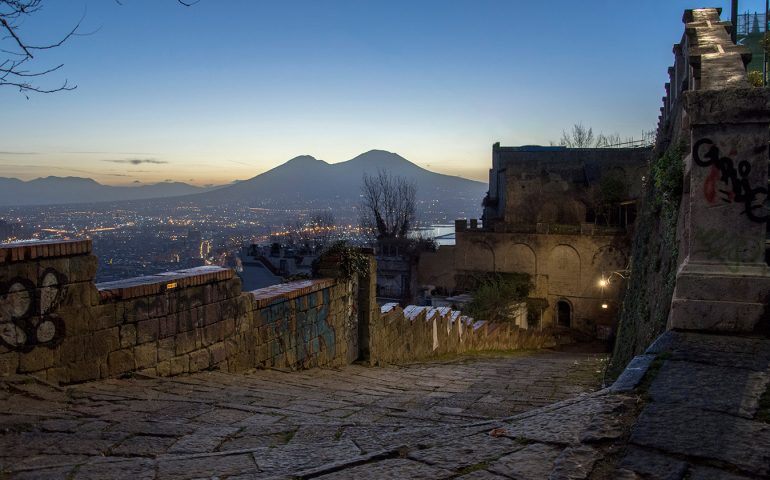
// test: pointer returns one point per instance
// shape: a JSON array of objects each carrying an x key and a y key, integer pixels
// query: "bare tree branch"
[
  {"x": 388, "y": 205},
  {"x": 18, "y": 49}
]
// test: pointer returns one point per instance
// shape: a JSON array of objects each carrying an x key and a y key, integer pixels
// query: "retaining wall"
[{"x": 57, "y": 324}]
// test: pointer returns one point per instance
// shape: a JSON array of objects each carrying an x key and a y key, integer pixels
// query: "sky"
[{"x": 227, "y": 89}]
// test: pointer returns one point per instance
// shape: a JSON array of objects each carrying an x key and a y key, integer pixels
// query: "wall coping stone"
[
  {"x": 38, "y": 249},
  {"x": 289, "y": 291},
  {"x": 162, "y": 282}
]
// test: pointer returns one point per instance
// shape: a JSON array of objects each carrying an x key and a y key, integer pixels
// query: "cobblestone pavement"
[{"x": 430, "y": 420}]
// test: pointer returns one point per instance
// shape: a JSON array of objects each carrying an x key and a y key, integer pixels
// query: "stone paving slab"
[
  {"x": 694, "y": 414},
  {"x": 272, "y": 424}
]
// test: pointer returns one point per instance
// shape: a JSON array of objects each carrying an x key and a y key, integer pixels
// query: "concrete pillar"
[{"x": 723, "y": 283}]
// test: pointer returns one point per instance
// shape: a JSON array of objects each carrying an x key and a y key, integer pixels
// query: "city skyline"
[{"x": 209, "y": 95}]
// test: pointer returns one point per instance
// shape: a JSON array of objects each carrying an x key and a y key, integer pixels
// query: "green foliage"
[
  {"x": 756, "y": 79},
  {"x": 610, "y": 191},
  {"x": 653, "y": 261},
  {"x": 495, "y": 294},
  {"x": 349, "y": 260},
  {"x": 613, "y": 189},
  {"x": 668, "y": 174}
]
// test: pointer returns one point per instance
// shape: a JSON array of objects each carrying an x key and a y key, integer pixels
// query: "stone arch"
[
  {"x": 563, "y": 313},
  {"x": 564, "y": 270},
  {"x": 519, "y": 257}
]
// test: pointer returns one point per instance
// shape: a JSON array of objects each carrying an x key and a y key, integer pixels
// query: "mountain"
[
  {"x": 301, "y": 182},
  {"x": 61, "y": 190},
  {"x": 307, "y": 180}
]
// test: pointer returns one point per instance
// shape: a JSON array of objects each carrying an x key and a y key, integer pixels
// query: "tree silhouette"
[
  {"x": 18, "y": 52},
  {"x": 388, "y": 205}
]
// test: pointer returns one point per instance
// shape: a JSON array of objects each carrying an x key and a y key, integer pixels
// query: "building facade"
[{"x": 563, "y": 216}]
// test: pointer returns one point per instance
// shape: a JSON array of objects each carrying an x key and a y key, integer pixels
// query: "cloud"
[
  {"x": 136, "y": 181},
  {"x": 137, "y": 161},
  {"x": 18, "y": 153}
]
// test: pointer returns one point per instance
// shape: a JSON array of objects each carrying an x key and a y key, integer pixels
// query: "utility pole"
[
  {"x": 734, "y": 20},
  {"x": 765, "y": 37}
]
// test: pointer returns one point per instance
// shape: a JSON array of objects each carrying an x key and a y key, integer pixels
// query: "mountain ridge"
[{"x": 303, "y": 179}]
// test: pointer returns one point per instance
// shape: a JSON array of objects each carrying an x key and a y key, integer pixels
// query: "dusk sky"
[{"x": 228, "y": 89}]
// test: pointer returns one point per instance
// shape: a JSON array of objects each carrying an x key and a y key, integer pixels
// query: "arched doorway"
[{"x": 563, "y": 313}]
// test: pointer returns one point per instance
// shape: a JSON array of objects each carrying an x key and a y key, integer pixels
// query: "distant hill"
[
  {"x": 61, "y": 190},
  {"x": 306, "y": 180},
  {"x": 301, "y": 181}
]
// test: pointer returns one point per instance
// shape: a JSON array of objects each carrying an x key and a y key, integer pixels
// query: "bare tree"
[
  {"x": 18, "y": 52},
  {"x": 578, "y": 137},
  {"x": 388, "y": 205}
]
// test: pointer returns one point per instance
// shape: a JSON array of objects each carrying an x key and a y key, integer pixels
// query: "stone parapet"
[
  {"x": 32, "y": 250},
  {"x": 419, "y": 333},
  {"x": 57, "y": 324},
  {"x": 162, "y": 282}
]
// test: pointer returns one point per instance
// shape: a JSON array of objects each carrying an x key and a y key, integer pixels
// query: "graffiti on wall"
[
  {"x": 301, "y": 332},
  {"x": 27, "y": 312},
  {"x": 730, "y": 183}
]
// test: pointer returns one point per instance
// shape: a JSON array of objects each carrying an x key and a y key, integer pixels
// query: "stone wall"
[
  {"x": 557, "y": 180},
  {"x": 564, "y": 267},
  {"x": 57, "y": 324},
  {"x": 419, "y": 333},
  {"x": 714, "y": 278}
]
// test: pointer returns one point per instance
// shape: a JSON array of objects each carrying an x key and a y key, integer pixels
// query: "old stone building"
[{"x": 563, "y": 216}]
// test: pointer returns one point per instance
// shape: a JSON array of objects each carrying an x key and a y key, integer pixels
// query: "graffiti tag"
[
  {"x": 27, "y": 312},
  {"x": 734, "y": 182}
]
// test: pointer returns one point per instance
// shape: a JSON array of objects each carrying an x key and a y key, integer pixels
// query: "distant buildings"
[{"x": 264, "y": 265}]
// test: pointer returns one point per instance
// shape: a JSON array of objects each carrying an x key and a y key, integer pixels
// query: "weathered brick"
[
  {"x": 180, "y": 364},
  {"x": 38, "y": 359},
  {"x": 121, "y": 361},
  {"x": 9, "y": 363},
  {"x": 102, "y": 342},
  {"x": 211, "y": 314},
  {"x": 199, "y": 360},
  {"x": 158, "y": 306},
  {"x": 104, "y": 316},
  {"x": 128, "y": 335},
  {"x": 167, "y": 326},
  {"x": 136, "y": 310},
  {"x": 146, "y": 355},
  {"x": 228, "y": 327},
  {"x": 185, "y": 321},
  {"x": 147, "y": 330},
  {"x": 217, "y": 353},
  {"x": 71, "y": 349},
  {"x": 163, "y": 368},
  {"x": 185, "y": 342},
  {"x": 166, "y": 349}
]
